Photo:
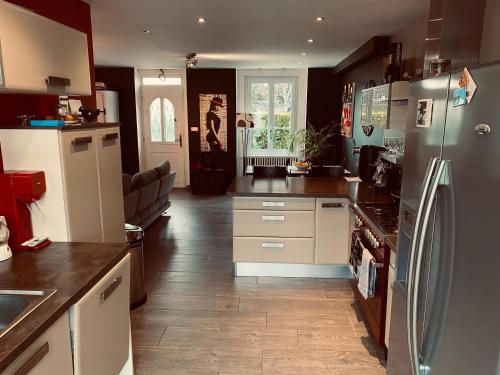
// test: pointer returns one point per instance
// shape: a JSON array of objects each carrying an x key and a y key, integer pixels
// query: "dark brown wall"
[
  {"x": 122, "y": 80},
  {"x": 212, "y": 81}
]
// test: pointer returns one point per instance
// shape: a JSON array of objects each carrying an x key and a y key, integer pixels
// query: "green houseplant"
[{"x": 312, "y": 145}]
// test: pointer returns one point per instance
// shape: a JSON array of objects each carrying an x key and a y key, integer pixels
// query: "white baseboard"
[{"x": 321, "y": 271}]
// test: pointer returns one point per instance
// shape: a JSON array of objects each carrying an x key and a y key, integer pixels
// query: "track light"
[{"x": 191, "y": 60}]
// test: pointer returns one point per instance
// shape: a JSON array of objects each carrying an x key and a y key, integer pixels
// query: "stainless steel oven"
[{"x": 366, "y": 235}]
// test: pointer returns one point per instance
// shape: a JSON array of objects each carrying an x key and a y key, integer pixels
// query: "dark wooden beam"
[{"x": 375, "y": 46}]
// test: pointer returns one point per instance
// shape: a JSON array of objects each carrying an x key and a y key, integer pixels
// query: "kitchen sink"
[{"x": 15, "y": 305}]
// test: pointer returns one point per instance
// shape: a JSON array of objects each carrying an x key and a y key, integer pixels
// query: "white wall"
[
  {"x": 490, "y": 44},
  {"x": 300, "y": 74}
]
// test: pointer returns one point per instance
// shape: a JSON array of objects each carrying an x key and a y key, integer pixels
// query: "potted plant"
[{"x": 312, "y": 145}]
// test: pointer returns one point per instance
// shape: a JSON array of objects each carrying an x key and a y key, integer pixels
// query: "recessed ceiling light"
[
  {"x": 201, "y": 20},
  {"x": 304, "y": 54},
  {"x": 320, "y": 19},
  {"x": 146, "y": 31},
  {"x": 300, "y": 62},
  {"x": 310, "y": 40}
]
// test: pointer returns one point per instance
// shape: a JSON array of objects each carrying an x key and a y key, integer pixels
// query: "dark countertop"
[
  {"x": 94, "y": 125},
  {"x": 316, "y": 187},
  {"x": 71, "y": 268}
]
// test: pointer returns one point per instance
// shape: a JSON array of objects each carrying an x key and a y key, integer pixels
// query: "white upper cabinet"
[{"x": 34, "y": 48}]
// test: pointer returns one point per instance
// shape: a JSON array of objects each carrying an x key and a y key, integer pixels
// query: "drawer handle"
[
  {"x": 273, "y": 204},
  {"x": 33, "y": 360},
  {"x": 332, "y": 205},
  {"x": 81, "y": 141},
  {"x": 273, "y": 218},
  {"x": 273, "y": 245},
  {"x": 110, "y": 137},
  {"x": 110, "y": 289}
]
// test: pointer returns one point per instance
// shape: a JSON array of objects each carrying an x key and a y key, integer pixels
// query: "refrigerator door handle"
[
  {"x": 431, "y": 167},
  {"x": 418, "y": 367},
  {"x": 441, "y": 285}
]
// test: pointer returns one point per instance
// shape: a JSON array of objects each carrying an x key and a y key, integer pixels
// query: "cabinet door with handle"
[
  {"x": 109, "y": 173},
  {"x": 81, "y": 192},
  {"x": 332, "y": 231},
  {"x": 100, "y": 324},
  {"x": 50, "y": 354}
]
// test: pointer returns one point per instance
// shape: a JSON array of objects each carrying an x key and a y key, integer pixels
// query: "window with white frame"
[{"x": 273, "y": 103}]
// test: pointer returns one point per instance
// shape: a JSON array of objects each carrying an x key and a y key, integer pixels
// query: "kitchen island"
[
  {"x": 295, "y": 227},
  {"x": 72, "y": 270}
]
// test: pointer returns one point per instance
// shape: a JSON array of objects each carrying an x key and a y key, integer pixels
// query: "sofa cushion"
[
  {"x": 148, "y": 194},
  {"x": 143, "y": 178},
  {"x": 130, "y": 201},
  {"x": 127, "y": 183},
  {"x": 163, "y": 169}
]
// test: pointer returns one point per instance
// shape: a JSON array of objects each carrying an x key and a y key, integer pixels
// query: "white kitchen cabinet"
[
  {"x": 100, "y": 324},
  {"x": 34, "y": 47},
  {"x": 107, "y": 103},
  {"x": 273, "y": 250},
  {"x": 332, "y": 231},
  {"x": 255, "y": 223},
  {"x": 50, "y": 354},
  {"x": 78, "y": 157},
  {"x": 84, "y": 199},
  {"x": 109, "y": 175}
]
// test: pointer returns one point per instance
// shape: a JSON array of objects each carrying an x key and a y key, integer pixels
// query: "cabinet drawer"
[
  {"x": 49, "y": 354},
  {"x": 101, "y": 324},
  {"x": 273, "y": 203},
  {"x": 273, "y": 250},
  {"x": 273, "y": 223}
]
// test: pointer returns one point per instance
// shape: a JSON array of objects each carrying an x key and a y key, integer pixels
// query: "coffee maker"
[{"x": 18, "y": 190}]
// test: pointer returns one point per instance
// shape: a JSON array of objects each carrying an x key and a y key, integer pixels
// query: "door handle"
[
  {"x": 273, "y": 204},
  {"x": 431, "y": 167},
  {"x": 110, "y": 137},
  {"x": 110, "y": 289},
  {"x": 180, "y": 140},
  {"x": 418, "y": 367},
  {"x": 81, "y": 141},
  {"x": 34, "y": 360},
  {"x": 273, "y": 218},
  {"x": 273, "y": 245},
  {"x": 332, "y": 205}
]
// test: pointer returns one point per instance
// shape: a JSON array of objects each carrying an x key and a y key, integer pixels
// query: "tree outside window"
[{"x": 273, "y": 103}]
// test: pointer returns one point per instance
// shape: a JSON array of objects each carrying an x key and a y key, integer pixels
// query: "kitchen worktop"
[
  {"x": 316, "y": 187},
  {"x": 87, "y": 126},
  {"x": 70, "y": 268}
]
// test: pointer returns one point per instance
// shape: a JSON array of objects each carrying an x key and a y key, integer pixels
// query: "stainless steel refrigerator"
[{"x": 446, "y": 297}]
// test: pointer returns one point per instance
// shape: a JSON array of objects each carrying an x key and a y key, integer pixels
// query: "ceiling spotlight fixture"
[
  {"x": 146, "y": 31},
  {"x": 310, "y": 40},
  {"x": 162, "y": 76},
  {"x": 320, "y": 19},
  {"x": 201, "y": 20},
  {"x": 304, "y": 54},
  {"x": 191, "y": 60}
]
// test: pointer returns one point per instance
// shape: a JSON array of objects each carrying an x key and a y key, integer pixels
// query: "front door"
[{"x": 163, "y": 125}]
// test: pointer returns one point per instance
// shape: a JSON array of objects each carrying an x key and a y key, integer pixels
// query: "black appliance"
[{"x": 368, "y": 155}]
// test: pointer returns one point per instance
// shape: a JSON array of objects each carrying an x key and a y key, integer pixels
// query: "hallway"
[{"x": 201, "y": 320}]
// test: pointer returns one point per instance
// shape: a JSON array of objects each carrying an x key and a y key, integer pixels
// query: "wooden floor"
[{"x": 201, "y": 320}]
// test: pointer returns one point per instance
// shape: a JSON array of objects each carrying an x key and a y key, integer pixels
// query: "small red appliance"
[{"x": 18, "y": 189}]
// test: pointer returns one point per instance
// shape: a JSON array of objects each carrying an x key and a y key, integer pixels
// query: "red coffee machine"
[{"x": 18, "y": 189}]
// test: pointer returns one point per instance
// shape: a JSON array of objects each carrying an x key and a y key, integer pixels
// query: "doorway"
[{"x": 164, "y": 126}]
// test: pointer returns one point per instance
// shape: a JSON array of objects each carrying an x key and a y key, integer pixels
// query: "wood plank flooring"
[{"x": 202, "y": 320}]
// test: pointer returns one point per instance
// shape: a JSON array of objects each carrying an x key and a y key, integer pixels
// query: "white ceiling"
[{"x": 242, "y": 33}]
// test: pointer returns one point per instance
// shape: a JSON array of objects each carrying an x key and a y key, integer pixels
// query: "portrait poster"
[
  {"x": 347, "y": 118},
  {"x": 213, "y": 122}
]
